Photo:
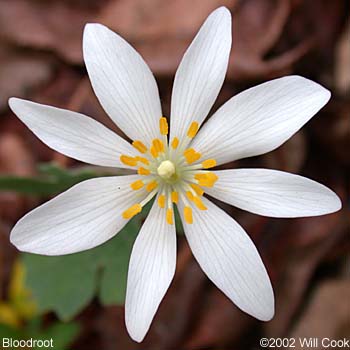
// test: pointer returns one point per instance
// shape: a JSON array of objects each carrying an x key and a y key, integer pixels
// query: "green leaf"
[
  {"x": 52, "y": 180},
  {"x": 9, "y": 332},
  {"x": 61, "y": 284},
  {"x": 67, "y": 284}
]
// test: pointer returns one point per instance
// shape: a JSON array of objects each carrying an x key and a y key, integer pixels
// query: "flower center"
[
  {"x": 173, "y": 171},
  {"x": 166, "y": 169}
]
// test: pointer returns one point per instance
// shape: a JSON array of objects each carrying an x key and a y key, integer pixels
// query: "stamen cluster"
[{"x": 173, "y": 171}]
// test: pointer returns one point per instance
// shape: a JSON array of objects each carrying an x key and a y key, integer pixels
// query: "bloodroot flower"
[{"x": 174, "y": 168}]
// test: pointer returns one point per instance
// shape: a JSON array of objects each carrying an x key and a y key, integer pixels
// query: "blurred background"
[{"x": 78, "y": 299}]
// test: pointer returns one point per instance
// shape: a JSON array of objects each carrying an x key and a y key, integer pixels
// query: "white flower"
[{"x": 254, "y": 122}]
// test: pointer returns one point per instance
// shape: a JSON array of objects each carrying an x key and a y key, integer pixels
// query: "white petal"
[
  {"x": 229, "y": 258},
  {"x": 260, "y": 119},
  {"x": 122, "y": 82},
  {"x": 274, "y": 193},
  {"x": 201, "y": 72},
  {"x": 83, "y": 217},
  {"x": 72, "y": 134},
  {"x": 151, "y": 270}
]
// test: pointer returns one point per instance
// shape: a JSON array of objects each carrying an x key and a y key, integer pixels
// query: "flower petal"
[
  {"x": 122, "y": 82},
  {"x": 73, "y": 134},
  {"x": 151, "y": 269},
  {"x": 274, "y": 193},
  {"x": 201, "y": 73},
  {"x": 260, "y": 119},
  {"x": 229, "y": 258},
  {"x": 83, "y": 217}
]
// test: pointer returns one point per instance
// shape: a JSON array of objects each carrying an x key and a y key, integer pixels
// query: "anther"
[
  {"x": 197, "y": 189},
  {"x": 174, "y": 197},
  {"x": 139, "y": 146},
  {"x": 191, "y": 155},
  {"x": 163, "y": 126},
  {"x": 136, "y": 185},
  {"x": 199, "y": 204},
  {"x": 142, "y": 160},
  {"x": 151, "y": 185},
  {"x": 188, "y": 215},
  {"x": 207, "y": 179},
  {"x": 192, "y": 130},
  {"x": 143, "y": 171},
  {"x": 169, "y": 216},
  {"x": 154, "y": 152},
  {"x": 132, "y": 211},
  {"x": 161, "y": 201},
  {"x": 174, "y": 142},
  {"x": 158, "y": 145},
  {"x": 189, "y": 195},
  {"x": 131, "y": 161},
  {"x": 209, "y": 163}
]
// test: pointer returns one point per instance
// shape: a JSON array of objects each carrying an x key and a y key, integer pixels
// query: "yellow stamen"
[
  {"x": 189, "y": 195},
  {"x": 163, "y": 126},
  {"x": 142, "y": 160},
  {"x": 209, "y": 163},
  {"x": 169, "y": 216},
  {"x": 132, "y": 211},
  {"x": 191, "y": 155},
  {"x": 131, "y": 161},
  {"x": 151, "y": 185},
  {"x": 143, "y": 171},
  {"x": 197, "y": 189},
  {"x": 192, "y": 130},
  {"x": 137, "y": 185},
  {"x": 208, "y": 179},
  {"x": 175, "y": 143},
  {"x": 158, "y": 145},
  {"x": 140, "y": 146},
  {"x": 161, "y": 201},
  {"x": 188, "y": 215},
  {"x": 174, "y": 197},
  {"x": 199, "y": 204},
  {"x": 206, "y": 183},
  {"x": 154, "y": 152}
]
